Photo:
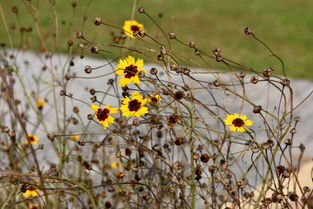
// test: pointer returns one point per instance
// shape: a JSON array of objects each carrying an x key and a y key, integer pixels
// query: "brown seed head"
[
  {"x": 98, "y": 21},
  {"x": 248, "y": 30},
  {"x": 79, "y": 35},
  {"x": 141, "y": 10}
]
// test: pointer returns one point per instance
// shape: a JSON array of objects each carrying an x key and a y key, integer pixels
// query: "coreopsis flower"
[
  {"x": 31, "y": 138},
  {"x": 129, "y": 68},
  {"x": 75, "y": 137},
  {"x": 134, "y": 106},
  {"x": 40, "y": 104},
  {"x": 131, "y": 26},
  {"x": 154, "y": 99},
  {"x": 115, "y": 165},
  {"x": 120, "y": 175},
  {"x": 31, "y": 192},
  {"x": 33, "y": 206},
  {"x": 103, "y": 114},
  {"x": 238, "y": 122}
]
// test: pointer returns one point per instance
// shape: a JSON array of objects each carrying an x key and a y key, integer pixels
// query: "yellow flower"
[
  {"x": 31, "y": 192},
  {"x": 120, "y": 175},
  {"x": 238, "y": 122},
  {"x": 31, "y": 138},
  {"x": 131, "y": 26},
  {"x": 75, "y": 137},
  {"x": 134, "y": 106},
  {"x": 40, "y": 103},
  {"x": 115, "y": 165},
  {"x": 33, "y": 206},
  {"x": 154, "y": 99},
  {"x": 103, "y": 114},
  {"x": 129, "y": 68}
]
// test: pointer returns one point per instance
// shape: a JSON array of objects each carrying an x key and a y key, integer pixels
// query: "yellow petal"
[
  {"x": 26, "y": 194},
  {"x": 248, "y": 123},
  {"x": 232, "y": 128},
  {"x": 243, "y": 117},
  {"x": 229, "y": 120},
  {"x": 125, "y": 101},
  {"x": 136, "y": 79},
  {"x": 136, "y": 95},
  {"x": 241, "y": 129},
  {"x": 142, "y": 111},
  {"x": 112, "y": 109},
  {"x": 130, "y": 60},
  {"x": 124, "y": 81},
  {"x": 139, "y": 63},
  {"x": 95, "y": 107}
]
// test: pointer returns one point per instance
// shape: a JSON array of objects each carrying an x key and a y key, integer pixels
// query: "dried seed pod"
[
  {"x": 79, "y": 35},
  {"x": 98, "y": 21},
  {"x": 92, "y": 91},
  {"x": 141, "y": 9},
  {"x": 87, "y": 165},
  {"x": 254, "y": 80},
  {"x": 242, "y": 183},
  {"x": 70, "y": 42},
  {"x": 192, "y": 44},
  {"x": 248, "y": 30},
  {"x": 62, "y": 93},
  {"x": 216, "y": 83},
  {"x": 142, "y": 33},
  {"x": 293, "y": 131},
  {"x": 15, "y": 10},
  {"x": 204, "y": 158},
  {"x": 197, "y": 52},
  {"x": 286, "y": 82},
  {"x": 136, "y": 122},
  {"x": 163, "y": 50},
  {"x": 217, "y": 51},
  {"x": 153, "y": 71},
  {"x": 293, "y": 196},
  {"x": 288, "y": 142},
  {"x": 88, "y": 69},
  {"x": 74, "y": 4},
  {"x": 67, "y": 76},
  {"x": 160, "y": 57},
  {"x": 179, "y": 95},
  {"x": 128, "y": 152},
  {"x": 212, "y": 169},
  {"x": 94, "y": 50},
  {"x": 93, "y": 99},
  {"x": 141, "y": 74},
  {"x": 89, "y": 117},
  {"x": 179, "y": 141},
  {"x": 172, "y": 35},
  {"x": 268, "y": 72},
  {"x": 81, "y": 142},
  {"x": 51, "y": 136},
  {"x": 257, "y": 109}
]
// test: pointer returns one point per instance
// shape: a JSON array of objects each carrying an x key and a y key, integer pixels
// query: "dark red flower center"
[
  {"x": 130, "y": 71},
  {"x": 238, "y": 122},
  {"x": 134, "y": 105},
  {"x": 134, "y": 28},
  {"x": 154, "y": 100},
  {"x": 31, "y": 138},
  {"x": 102, "y": 114},
  {"x": 30, "y": 188}
]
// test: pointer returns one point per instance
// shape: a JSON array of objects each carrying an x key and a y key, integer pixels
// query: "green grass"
[{"x": 285, "y": 25}]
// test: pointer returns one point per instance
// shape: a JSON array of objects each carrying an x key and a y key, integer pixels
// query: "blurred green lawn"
[{"x": 285, "y": 25}]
